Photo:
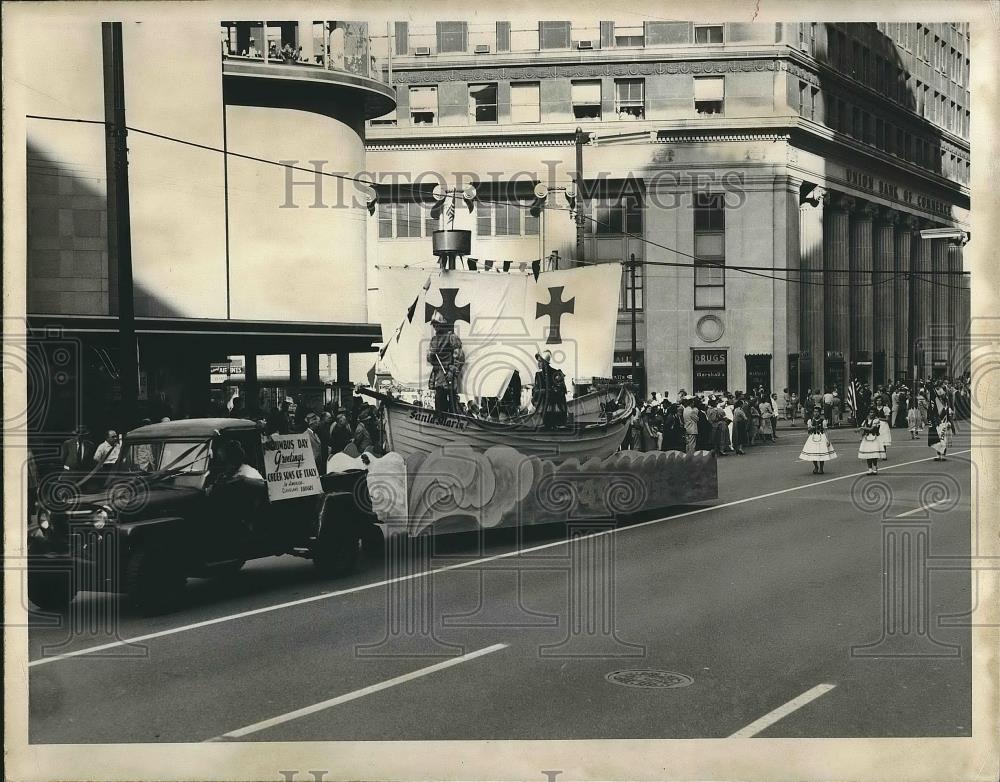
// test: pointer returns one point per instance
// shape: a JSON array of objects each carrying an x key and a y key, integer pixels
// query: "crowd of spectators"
[{"x": 730, "y": 422}]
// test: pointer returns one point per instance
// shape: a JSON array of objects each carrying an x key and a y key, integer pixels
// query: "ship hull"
[{"x": 419, "y": 430}]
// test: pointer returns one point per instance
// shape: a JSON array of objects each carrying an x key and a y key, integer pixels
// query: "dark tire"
[
  {"x": 51, "y": 591},
  {"x": 152, "y": 584},
  {"x": 337, "y": 554}
]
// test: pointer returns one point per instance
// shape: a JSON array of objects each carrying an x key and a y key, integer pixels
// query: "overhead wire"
[{"x": 756, "y": 271}]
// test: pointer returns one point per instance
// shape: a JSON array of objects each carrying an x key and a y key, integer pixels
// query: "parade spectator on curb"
[
  {"x": 717, "y": 418},
  {"x": 740, "y": 427},
  {"x": 673, "y": 429},
  {"x": 828, "y": 406},
  {"x": 704, "y": 440},
  {"x": 647, "y": 434},
  {"x": 753, "y": 412},
  {"x": 766, "y": 421},
  {"x": 690, "y": 426},
  {"x": 836, "y": 410}
]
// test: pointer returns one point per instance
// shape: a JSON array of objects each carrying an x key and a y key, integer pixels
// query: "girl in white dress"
[
  {"x": 870, "y": 449},
  {"x": 944, "y": 431},
  {"x": 817, "y": 448},
  {"x": 884, "y": 433}
]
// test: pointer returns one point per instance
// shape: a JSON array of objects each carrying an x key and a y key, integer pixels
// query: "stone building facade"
[{"x": 772, "y": 180}]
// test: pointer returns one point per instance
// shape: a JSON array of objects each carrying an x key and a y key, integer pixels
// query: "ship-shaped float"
[{"x": 484, "y": 470}]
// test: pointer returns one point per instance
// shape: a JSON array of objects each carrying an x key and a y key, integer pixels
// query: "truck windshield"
[{"x": 165, "y": 456}]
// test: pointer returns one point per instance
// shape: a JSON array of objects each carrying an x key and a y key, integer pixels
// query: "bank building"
[{"x": 771, "y": 180}]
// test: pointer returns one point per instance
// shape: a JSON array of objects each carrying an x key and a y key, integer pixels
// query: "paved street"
[{"x": 758, "y": 597}]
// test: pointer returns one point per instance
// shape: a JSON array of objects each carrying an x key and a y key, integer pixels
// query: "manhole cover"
[{"x": 650, "y": 679}]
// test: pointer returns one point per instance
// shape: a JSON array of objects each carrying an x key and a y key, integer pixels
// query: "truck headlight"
[
  {"x": 99, "y": 518},
  {"x": 44, "y": 519}
]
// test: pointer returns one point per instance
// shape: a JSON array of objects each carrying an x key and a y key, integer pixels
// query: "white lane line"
[
  {"x": 423, "y": 574},
  {"x": 926, "y": 506},
  {"x": 353, "y": 696},
  {"x": 758, "y": 726}
]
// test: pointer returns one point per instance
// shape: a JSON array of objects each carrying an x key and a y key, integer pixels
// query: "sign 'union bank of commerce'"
[{"x": 885, "y": 188}]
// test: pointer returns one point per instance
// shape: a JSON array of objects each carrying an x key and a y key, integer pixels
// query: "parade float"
[{"x": 461, "y": 468}]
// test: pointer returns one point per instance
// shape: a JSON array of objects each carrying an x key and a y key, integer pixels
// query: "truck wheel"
[
  {"x": 51, "y": 591},
  {"x": 337, "y": 554},
  {"x": 152, "y": 584}
]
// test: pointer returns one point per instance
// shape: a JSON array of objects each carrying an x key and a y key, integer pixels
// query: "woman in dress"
[
  {"x": 647, "y": 435},
  {"x": 753, "y": 413},
  {"x": 766, "y": 421},
  {"x": 884, "y": 432},
  {"x": 817, "y": 448},
  {"x": 673, "y": 430},
  {"x": 740, "y": 426},
  {"x": 870, "y": 449},
  {"x": 941, "y": 431}
]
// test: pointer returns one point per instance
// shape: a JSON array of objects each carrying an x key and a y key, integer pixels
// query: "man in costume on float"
[
  {"x": 548, "y": 394},
  {"x": 446, "y": 357}
]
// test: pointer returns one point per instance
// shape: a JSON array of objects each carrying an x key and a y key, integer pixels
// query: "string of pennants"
[{"x": 472, "y": 264}]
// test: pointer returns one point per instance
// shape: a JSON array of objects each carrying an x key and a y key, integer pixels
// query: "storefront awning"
[{"x": 221, "y": 335}]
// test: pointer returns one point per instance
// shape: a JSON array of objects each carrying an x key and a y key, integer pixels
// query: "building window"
[
  {"x": 708, "y": 33},
  {"x": 710, "y": 251},
  {"x": 504, "y": 219},
  {"x": 524, "y": 102},
  {"x": 483, "y": 103},
  {"x": 452, "y": 37},
  {"x": 409, "y": 220},
  {"x": 709, "y": 94},
  {"x": 857, "y": 127},
  {"x": 629, "y": 36},
  {"x": 587, "y": 99},
  {"x": 554, "y": 35},
  {"x": 625, "y": 299},
  {"x": 629, "y": 99},
  {"x": 615, "y": 217},
  {"x": 423, "y": 105}
]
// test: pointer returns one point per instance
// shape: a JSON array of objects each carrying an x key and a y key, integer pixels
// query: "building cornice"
[{"x": 553, "y": 70}]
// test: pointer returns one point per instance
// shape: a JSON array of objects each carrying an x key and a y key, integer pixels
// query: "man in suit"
[
  {"x": 690, "y": 418},
  {"x": 77, "y": 453}
]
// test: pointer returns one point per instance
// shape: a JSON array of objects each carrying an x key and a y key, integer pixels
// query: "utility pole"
[
  {"x": 580, "y": 139},
  {"x": 119, "y": 221},
  {"x": 635, "y": 363}
]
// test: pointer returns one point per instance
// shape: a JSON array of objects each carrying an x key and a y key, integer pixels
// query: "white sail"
[{"x": 503, "y": 320}]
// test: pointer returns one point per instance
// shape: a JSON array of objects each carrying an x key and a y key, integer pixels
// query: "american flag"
[{"x": 851, "y": 399}]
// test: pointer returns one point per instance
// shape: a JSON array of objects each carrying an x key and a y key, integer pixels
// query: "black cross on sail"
[
  {"x": 555, "y": 309},
  {"x": 448, "y": 308}
]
